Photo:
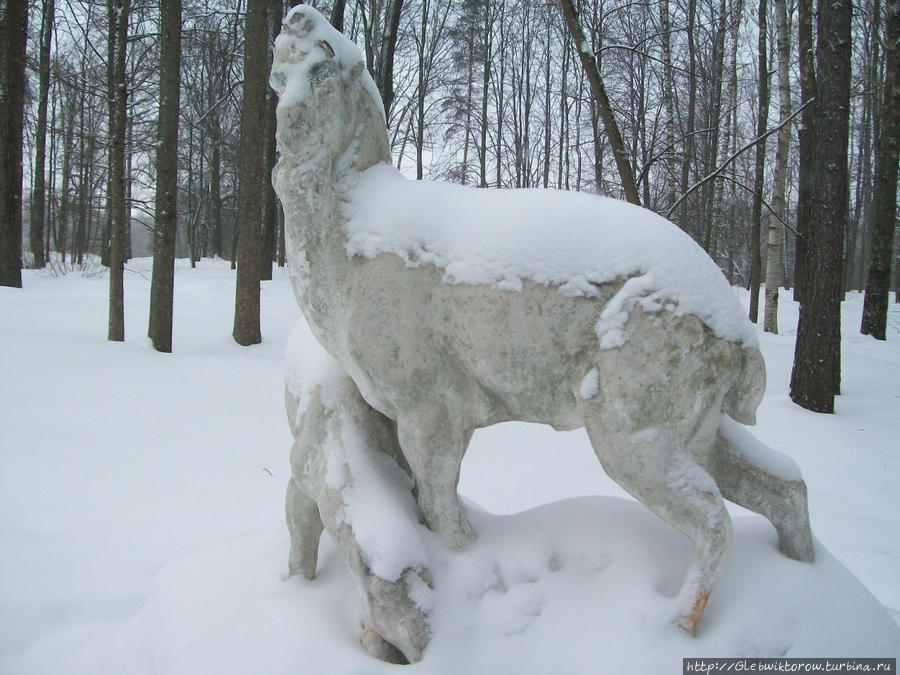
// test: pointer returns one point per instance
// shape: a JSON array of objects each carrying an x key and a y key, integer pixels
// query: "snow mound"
[
  {"x": 571, "y": 240},
  {"x": 584, "y": 585}
]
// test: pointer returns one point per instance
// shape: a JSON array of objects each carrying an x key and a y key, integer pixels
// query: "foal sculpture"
[
  {"x": 345, "y": 456},
  {"x": 453, "y": 309}
]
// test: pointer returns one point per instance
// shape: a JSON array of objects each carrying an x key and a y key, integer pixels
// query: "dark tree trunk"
[
  {"x": 270, "y": 201},
  {"x": 816, "y": 375},
  {"x": 38, "y": 190},
  {"x": 337, "y": 15},
  {"x": 687, "y": 161},
  {"x": 246, "y": 306},
  {"x": 761, "y": 123},
  {"x": 13, "y": 29},
  {"x": 884, "y": 206},
  {"x": 385, "y": 75},
  {"x": 215, "y": 187},
  {"x": 118, "y": 102},
  {"x": 805, "y": 135},
  {"x": 162, "y": 285}
]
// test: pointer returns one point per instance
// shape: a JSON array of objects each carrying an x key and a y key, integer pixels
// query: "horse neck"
[{"x": 327, "y": 180}]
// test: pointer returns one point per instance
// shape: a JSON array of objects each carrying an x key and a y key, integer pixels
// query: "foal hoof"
[
  {"x": 380, "y": 648},
  {"x": 688, "y": 622}
]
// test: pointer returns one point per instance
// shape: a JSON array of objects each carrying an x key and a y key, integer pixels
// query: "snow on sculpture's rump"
[{"x": 446, "y": 326}]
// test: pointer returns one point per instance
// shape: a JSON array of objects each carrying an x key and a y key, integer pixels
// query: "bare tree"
[
  {"x": 381, "y": 33},
  {"x": 118, "y": 11},
  {"x": 815, "y": 378},
  {"x": 589, "y": 63},
  {"x": 761, "y": 123},
  {"x": 246, "y": 305},
  {"x": 38, "y": 189},
  {"x": 884, "y": 209},
  {"x": 806, "y": 135},
  {"x": 776, "y": 233},
  {"x": 13, "y": 29},
  {"x": 271, "y": 212},
  {"x": 162, "y": 286}
]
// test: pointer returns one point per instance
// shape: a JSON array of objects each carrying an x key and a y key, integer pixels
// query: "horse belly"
[{"x": 506, "y": 355}]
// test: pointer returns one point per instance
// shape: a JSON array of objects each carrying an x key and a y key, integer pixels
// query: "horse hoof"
[{"x": 688, "y": 622}]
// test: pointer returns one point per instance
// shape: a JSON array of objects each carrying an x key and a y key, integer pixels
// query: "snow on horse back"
[{"x": 453, "y": 308}]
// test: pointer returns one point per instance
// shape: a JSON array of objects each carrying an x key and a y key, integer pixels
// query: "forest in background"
[
  {"x": 707, "y": 97},
  {"x": 485, "y": 92}
]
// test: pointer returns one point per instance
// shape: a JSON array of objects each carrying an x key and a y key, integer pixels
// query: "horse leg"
[
  {"x": 777, "y": 495},
  {"x": 433, "y": 445},
  {"x": 649, "y": 424}
]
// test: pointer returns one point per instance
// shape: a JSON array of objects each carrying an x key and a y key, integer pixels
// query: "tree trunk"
[
  {"x": 666, "y": 35},
  {"x": 68, "y": 123},
  {"x": 806, "y": 136},
  {"x": 816, "y": 374},
  {"x": 708, "y": 196},
  {"x": 269, "y": 200},
  {"x": 215, "y": 187},
  {"x": 684, "y": 220},
  {"x": 761, "y": 123},
  {"x": 337, "y": 15},
  {"x": 485, "y": 84},
  {"x": 162, "y": 285},
  {"x": 246, "y": 305},
  {"x": 589, "y": 63},
  {"x": 38, "y": 191},
  {"x": 467, "y": 125},
  {"x": 420, "y": 95},
  {"x": 776, "y": 232},
  {"x": 547, "y": 117},
  {"x": 884, "y": 207},
  {"x": 385, "y": 76},
  {"x": 13, "y": 29},
  {"x": 118, "y": 103}
]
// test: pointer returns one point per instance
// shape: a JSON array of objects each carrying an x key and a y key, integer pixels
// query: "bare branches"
[
  {"x": 724, "y": 165},
  {"x": 589, "y": 63}
]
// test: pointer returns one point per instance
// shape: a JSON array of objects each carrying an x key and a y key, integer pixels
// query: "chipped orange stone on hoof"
[{"x": 689, "y": 621}]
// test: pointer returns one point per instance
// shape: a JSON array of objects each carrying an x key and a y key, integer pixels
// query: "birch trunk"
[{"x": 776, "y": 233}]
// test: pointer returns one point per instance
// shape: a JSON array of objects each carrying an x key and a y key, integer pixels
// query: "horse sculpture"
[{"x": 453, "y": 308}]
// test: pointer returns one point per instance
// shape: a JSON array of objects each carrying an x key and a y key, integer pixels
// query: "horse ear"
[
  {"x": 297, "y": 23},
  {"x": 327, "y": 48}
]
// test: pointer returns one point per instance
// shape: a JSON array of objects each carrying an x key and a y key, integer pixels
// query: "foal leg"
[{"x": 305, "y": 526}]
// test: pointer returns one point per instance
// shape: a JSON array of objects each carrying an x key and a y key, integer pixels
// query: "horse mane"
[{"x": 369, "y": 144}]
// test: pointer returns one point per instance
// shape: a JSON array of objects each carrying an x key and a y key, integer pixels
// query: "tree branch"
[{"x": 728, "y": 161}]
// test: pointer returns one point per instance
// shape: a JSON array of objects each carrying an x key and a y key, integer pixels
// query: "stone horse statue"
[{"x": 453, "y": 308}]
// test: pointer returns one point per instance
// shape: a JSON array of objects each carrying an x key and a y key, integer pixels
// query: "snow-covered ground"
[{"x": 141, "y": 500}]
